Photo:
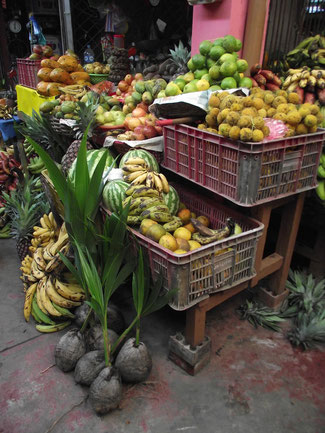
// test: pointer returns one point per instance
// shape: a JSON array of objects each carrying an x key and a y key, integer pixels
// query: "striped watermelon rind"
[
  {"x": 113, "y": 192},
  {"x": 147, "y": 156},
  {"x": 93, "y": 157},
  {"x": 172, "y": 200}
]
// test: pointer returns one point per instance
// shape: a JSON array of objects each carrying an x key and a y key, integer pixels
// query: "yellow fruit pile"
[{"x": 242, "y": 118}]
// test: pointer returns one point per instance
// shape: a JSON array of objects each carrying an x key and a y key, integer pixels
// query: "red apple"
[
  {"x": 138, "y": 112},
  {"x": 128, "y": 78},
  {"x": 34, "y": 56},
  {"x": 143, "y": 106},
  {"x": 37, "y": 49},
  {"x": 47, "y": 51},
  {"x": 149, "y": 131},
  {"x": 138, "y": 129},
  {"x": 159, "y": 130},
  {"x": 123, "y": 86}
]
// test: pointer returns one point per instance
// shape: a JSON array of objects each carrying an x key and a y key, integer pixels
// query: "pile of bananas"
[
  {"x": 76, "y": 90},
  {"x": 6, "y": 112},
  {"x": 136, "y": 172},
  {"x": 50, "y": 294},
  {"x": 146, "y": 202},
  {"x": 36, "y": 165},
  {"x": 310, "y": 52},
  {"x": 304, "y": 77}
]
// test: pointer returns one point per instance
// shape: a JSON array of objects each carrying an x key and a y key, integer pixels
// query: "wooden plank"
[
  {"x": 289, "y": 226},
  {"x": 195, "y": 325},
  {"x": 269, "y": 264}
]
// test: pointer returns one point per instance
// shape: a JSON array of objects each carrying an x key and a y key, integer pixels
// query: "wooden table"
[{"x": 275, "y": 265}]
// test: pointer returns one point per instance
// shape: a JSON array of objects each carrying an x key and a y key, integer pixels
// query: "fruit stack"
[
  {"x": 310, "y": 52},
  {"x": 309, "y": 84},
  {"x": 242, "y": 118},
  {"x": 119, "y": 64},
  {"x": 8, "y": 172},
  {"x": 50, "y": 292},
  {"x": 264, "y": 78}
]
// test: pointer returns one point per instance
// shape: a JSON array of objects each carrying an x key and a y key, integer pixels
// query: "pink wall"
[{"x": 218, "y": 19}]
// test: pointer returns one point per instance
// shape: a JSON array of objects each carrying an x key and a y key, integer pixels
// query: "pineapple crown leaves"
[
  {"x": 260, "y": 316},
  {"x": 86, "y": 112},
  {"x": 309, "y": 330},
  {"x": 180, "y": 55}
]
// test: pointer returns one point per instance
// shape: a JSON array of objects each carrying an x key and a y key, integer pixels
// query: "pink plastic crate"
[
  {"x": 245, "y": 173},
  {"x": 27, "y": 72}
]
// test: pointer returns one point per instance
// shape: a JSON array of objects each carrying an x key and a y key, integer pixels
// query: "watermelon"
[
  {"x": 147, "y": 156},
  {"x": 172, "y": 200},
  {"x": 113, "y": 193},
  {"x": 93, "y": 157}
]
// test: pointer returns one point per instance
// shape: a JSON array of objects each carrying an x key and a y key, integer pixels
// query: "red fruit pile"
[
  {"x": 264, "y": 78},
  {"x": 8, "y": 172}
]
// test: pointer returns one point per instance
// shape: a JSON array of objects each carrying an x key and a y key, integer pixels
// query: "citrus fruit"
[
  {"x": 216, "y": 52},
  {"x": 227, "y": 58},
  {"x": 190, "y": 65},
  {"x": 214, "y": 72},
  {"x": 189, "y": 76},
  {"x": 183, "y": 233},
  {"x": 228, "y": 83},
  {"x": 229, "y": 43},
  {"x": 237, "y": 77},
  {"x": 198, "y": 61},
  {"x": 205, "y": 47},
  {"x": 210, "y": 63},
  {"x": 198, "y": 74},
  {"x": 190, "y": 227},
  {"x": 179, "y": 251},
  {"x": 180, "y": 83},
  {"x": 215, "y": 87},
  {"x": 183, "y": 244},
  {"x": 155, "y": 232},
  {"x": 242, "y": 65},
  {"x": 184, "y": 215},
  {"x": 168, "y": 241},
  {"x": 172, "y": 89},
  {"x": 194, "y": 245},
  {"x": 202, "y": 85},
  {"x": 218, "y": 41},
  {"x": 207, "y": 78},
  {"x": 161, "y": 94},
  {"x": 227, "y": 69},
  {"x": 190, "y": 87},
  {"x": 145, "y": 224},
  {"x": 204, "y": 220},
  {"x": 238, "y": 45},
  {"x": 245, "y": 82}
]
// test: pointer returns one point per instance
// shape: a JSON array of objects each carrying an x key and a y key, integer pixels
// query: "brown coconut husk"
[
  {"x": 89, "y": 366},
  {"x": 133, "y": 362},
  {"x": 105, "y": 392},
  {"x": 115, "y": 319},
  {"x": 69, "y": 349},
  {"x": 95, "y": 339}
]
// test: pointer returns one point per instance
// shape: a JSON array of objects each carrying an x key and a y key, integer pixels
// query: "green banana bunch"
[
  {"x": 36, "y": 165},
  {"x": 5, "y": 232},
  {"x": 29, "y": 149},
  {"x": 174, "y": 224},
  {"x": 309, "y": 52}
]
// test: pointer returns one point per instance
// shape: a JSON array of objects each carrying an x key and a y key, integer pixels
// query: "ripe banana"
[
  {"x": 133, "y": 188},
  {"x": 136, "y": 202},
  {"x": 38, "y": 231},
  {"x": 174, "y": 224},
  {"x": 157, "y": 182},
  {"x": 39, "y": 299},
  {"x": 57, "y": 298},
  {"x": 136, "y": 161},
  {"x": 140, "y": 179},
  {"x": 160, "y": 217},
  {"x": 303, "y": 83},
  {"x": 53, "y": 328},
  {"x": 69, "y": 291},
  {"x": 150, "y": 202},
  {"x": 201, "y": 228},
  {"x": 38, "y": 257},
  {"x": 54, "y": 263},
  {"x": 132, "y": 168},
  {"x": 134, "y": 176},
  {"x": 164, "y": 182},
  {"x": 134, "y": 220},
  {"x": 36, "y": 272},
  {"x": 145, "y": 191},
  {"x": 150, "y": 183},
  {"x": 28, "y": 301},
  {"x": 59, "y": 244},
  {"x": 46, "y": 302},
  {"x": 46, "y": 251}
]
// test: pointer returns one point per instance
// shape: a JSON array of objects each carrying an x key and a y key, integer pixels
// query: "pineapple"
[
  {"x": 180, "y": 56},
  {"x": 24, "y": 207},
  {"x": 86, "y": 113}
]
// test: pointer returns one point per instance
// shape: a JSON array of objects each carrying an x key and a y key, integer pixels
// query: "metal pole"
[{"x": 66, "y": 24}]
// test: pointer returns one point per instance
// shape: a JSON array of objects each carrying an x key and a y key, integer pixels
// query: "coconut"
[
  {"x": 134, "y": 362},
  {"x": 69, "y": 349},
  {"x": 115, "y": 319},
  {"x": 95, "y": 339},
  {"x": 89, "y": 366},
  {"x": 105, "y": 392}
]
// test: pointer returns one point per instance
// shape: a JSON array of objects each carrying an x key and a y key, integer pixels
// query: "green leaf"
[
  {"x": 82, "y": 174},
  {"x": 95, "y": 189}
]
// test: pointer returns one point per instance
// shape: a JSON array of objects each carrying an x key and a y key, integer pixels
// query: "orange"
[
  {"x": 168, "y": 241},
  {"x": 183, "y": 233},
  {"x": 190, "y": 227},
  {"x": 145, "y": 224},
  {"x": 204, "y": 220},
  {"x": 184, "y": 215}
]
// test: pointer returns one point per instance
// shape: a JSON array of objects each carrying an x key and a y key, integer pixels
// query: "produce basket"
[
  {"x": 97, "y": 78},
  {"x": 212, "y": 268},
  {"x": 27, "y": 72},
  {"x": 244, "y": 172}
]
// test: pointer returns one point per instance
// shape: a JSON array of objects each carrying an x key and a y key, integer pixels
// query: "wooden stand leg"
[
  {"x": 195, "y": 325},
  {"x": 286, "y": 241}
]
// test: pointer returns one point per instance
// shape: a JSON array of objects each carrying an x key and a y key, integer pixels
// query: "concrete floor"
[{"x": 255, "y": 382}]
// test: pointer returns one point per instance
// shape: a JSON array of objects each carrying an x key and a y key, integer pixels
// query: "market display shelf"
[
  {"x": 212, "y": 268},
  {"x": 244, "y": 172}
]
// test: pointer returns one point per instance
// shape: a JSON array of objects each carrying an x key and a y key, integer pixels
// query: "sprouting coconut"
[
  {"x": 115, "y": 319},
  {"x": 69, "y": 349},
  {"x": 95, "y": 339},
  {"x": 105, "y": 392},
  {"x": 134, "y": 361},
  {"x": 89, "y": 366}
]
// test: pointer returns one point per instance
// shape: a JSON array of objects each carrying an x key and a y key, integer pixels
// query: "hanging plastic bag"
[{"x": 35, "y": 32}]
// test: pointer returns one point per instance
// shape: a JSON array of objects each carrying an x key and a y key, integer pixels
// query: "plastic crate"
[
  {"x": 27, "y": 72},
  {"x": 212, "y": 268},
  {"x": 245, "y": 173},
  {"x": 98, "y": 78}
]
